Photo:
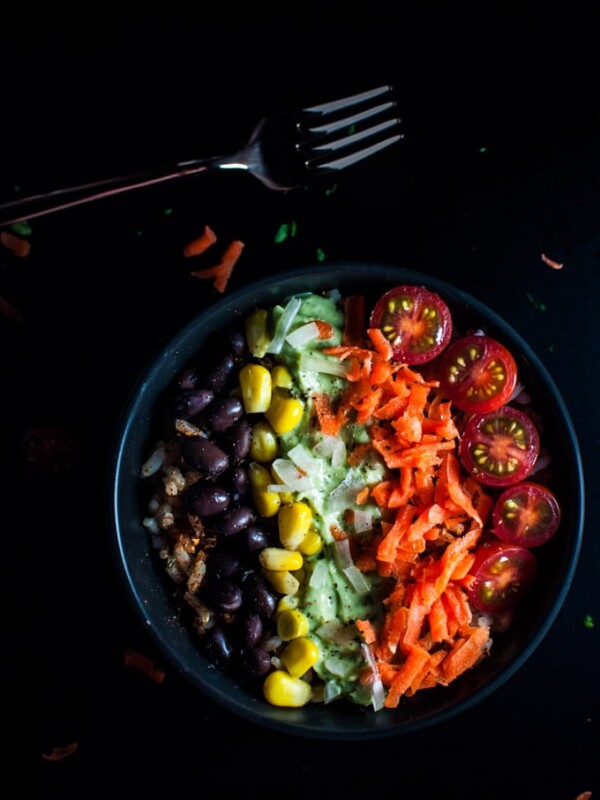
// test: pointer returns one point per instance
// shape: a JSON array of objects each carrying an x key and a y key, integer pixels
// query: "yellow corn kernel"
[
  {"x": 311, "y": 544},
  {"x": 299, "y": 656},
  {"x": 263, "y": 443},
  {"x": 282, "y": 689},
  {"x": 257, "y": 332},
  {"x": 284, "y": 413},
  {"x": 277, "y": 558},
  {"x": 266, "y": 503},
  {"x": 282, "y": 581},
  {"x": 293, "y": 522},
  {"x": 287, "y": 603},
  {"x": 291, "y": 624},
  {"x": 255, "y": 385},
  {"x": 281, "y": 377}
]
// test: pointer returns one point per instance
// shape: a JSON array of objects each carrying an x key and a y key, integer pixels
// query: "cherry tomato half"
[
  {"x": 500, "y": 448},
  {"x": 416, "y": 322},
  {"x": 527, "y": 514},
  {"x": 478, "y": 374},
  {"x": 502, "y": 574}
]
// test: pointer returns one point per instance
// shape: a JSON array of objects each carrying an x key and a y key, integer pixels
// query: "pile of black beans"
[{"x": 243, "y": 603}]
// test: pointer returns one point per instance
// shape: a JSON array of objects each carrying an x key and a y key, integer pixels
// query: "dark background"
[{"x": 500, "y": 163}]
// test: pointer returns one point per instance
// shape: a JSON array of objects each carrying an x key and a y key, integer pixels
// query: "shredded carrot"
[
  {"x": 9, "y": 311},
  {"x": 221, "y": 272},
  {"x": 197, "y": 246},
  {"x": 16, "y": 244},
  {"x": 432, "y": 519}
]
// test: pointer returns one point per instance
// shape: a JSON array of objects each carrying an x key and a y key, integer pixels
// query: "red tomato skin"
[
  {"x": 489, "y": 556},
  {"x": 465, "y": 379},
  {"x": 533, "y": 493},
  {"x": 402, "y": 350},
  {"x": 475, "y": 432}
]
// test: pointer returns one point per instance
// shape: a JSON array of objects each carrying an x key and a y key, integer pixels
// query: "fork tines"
[{"x": 334, "y": 138}]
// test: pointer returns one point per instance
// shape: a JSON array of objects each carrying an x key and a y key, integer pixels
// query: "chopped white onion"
[
  {"x": 335, "y": 631},
  {"x": 363, "y": 520},
  {"x": 302, "y": 335},
  {"x": 291, "y": 476},
  {"x": 542, "y": 462},
  {"x": 155, "y": 461},
  {"x": 283, "y": 325},
  {"x": 357, "y": 579},
  {"x": 319, "y": 576},
  {"x": 336, "y": 667},
  {"x": 343, "y": 557},
  {"x": 315, "y": 363},
  {"x": 344, "y": 494},
  {"x": 278, "y": 488},
  {"x": 332, "y": 691},
  {"x": 377, "y": 688},
  {"x": 332, "y": 447},
  {"x": 305, "y": 462}
]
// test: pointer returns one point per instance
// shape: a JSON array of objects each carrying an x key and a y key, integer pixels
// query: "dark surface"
[{"x": 500, "y": 164}]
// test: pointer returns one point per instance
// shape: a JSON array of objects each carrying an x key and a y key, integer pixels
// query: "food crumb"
[
  {"x": 138, "y": 662},
  {"x": 320, "y": 254},
  {"x": 535, "y": 303},
  {"x": 286, "y": 230},
  {"x": 58, "y": 753},
  {"x": 16, "y": 244},
  {"x": 551, "y": 262},
  {"x": 584, "y": 796},
  {"x": 9, "y": 311},
  {"x": 588, "y": 621}
]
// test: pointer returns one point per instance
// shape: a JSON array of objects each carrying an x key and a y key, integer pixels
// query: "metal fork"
[{"x": 284, "y": 152}]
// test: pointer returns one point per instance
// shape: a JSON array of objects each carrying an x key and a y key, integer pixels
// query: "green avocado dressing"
[{"x": 331, "y": 600}]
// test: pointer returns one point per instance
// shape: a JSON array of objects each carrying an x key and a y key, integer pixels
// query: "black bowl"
[{"x": 149, "y": 592}]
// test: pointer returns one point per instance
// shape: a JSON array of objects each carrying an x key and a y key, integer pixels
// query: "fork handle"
[{"x": 38, "y": 205}]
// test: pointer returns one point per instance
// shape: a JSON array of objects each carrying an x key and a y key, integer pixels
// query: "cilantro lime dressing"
[{"x": 328, "y": 597}]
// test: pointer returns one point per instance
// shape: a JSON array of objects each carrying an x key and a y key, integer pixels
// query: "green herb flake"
[
  {"x": 331, "y": 190},
  {"x": 320, "y": 254},
  {"x": 535, "y": 303},
  {"x": 16, "y": 188},
  {"x": 588, "y": 621},
  {"x": 167, "y": 212},
  {"x": 352, "y": 129},
  {"x": 483, "y": 149},
  {"x": 22, "y": 228},
  {"x": 285, "y": 231},
  {"x": 549, "y": 348}
]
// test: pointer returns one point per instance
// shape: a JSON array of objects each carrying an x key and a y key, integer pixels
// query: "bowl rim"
[{"x": 285, "y": 723}]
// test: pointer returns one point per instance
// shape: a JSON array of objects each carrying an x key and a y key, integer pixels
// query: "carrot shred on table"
[
  {"x": 16, "y": 244},
  {"x": 201, "y": 243},
  {"x": 221, "y": 272},
  {"x": 432, "y": 519}
]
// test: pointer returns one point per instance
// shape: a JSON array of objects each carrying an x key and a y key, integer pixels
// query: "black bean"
[
  {"x": 255, "y": 662},
  {"x": 258, "y": 596},
  {"x": 188, "y": 379},
  {"x": 189, "y": 403},
  {"x": 236, "y": 341},
  {"x": 218, "y": 647},
  {"x": 252, "y": 540},
  {"x": 203, "y": 455},
  {"x": 217, "y": 377},
  {"x": 237, "y": 482},
  {"x": 205, "y": 499},
  {"x": 222, "y": 564},
  {"x": 223, "y": 412},
  {"x": 222, "y": 595},
  {"x": 250, "y": 629},
  {"x": 233, "y": 521},
  {"x": 236, "y": 440}
]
